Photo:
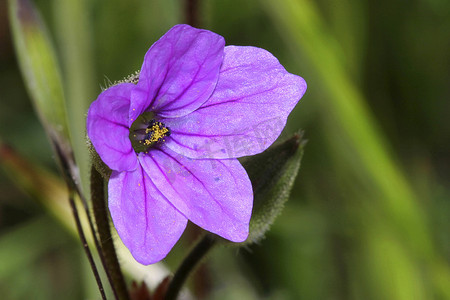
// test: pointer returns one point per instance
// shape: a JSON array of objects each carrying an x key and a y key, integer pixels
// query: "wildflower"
[{"x": 172, "y": 139}]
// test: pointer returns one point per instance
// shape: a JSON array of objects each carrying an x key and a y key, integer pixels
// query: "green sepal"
[
  {"x": 98, "y": 163},
  {"x": 272, "y": 174},
  {"x": 132, "y": 78}
]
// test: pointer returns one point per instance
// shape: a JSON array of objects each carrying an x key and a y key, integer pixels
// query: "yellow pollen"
[{"x": 157, "y": 133}]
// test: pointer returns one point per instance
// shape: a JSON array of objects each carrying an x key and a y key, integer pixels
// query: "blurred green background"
[{"x": 369, "y": 216}]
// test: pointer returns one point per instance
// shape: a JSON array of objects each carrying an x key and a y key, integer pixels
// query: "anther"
[{"x": 155, "y": 133}]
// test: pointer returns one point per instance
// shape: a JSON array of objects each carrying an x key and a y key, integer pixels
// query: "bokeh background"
[{"x": 369, "y": 216}]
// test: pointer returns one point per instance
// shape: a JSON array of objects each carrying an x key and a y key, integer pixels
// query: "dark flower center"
[{"x": 146, "y": 133}]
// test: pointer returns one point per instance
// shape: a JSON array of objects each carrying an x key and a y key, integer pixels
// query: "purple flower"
[{"x": 172, "y": 139}]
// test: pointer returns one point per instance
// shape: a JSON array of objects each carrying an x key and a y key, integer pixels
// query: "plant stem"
[
  {"x": 85, "y": 244},
  {"x": 188, "y": 265},
  {"x": 70, "y": 174},
  {"x": 191, "y": 12},
  {"x": 117, "y": 280}
]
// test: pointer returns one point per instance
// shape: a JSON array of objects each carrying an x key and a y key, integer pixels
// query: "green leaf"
[
  {"x": 74, "y": 37},
  {"x": 40, "y": 70},
  {"x": 272, "y": 174}
]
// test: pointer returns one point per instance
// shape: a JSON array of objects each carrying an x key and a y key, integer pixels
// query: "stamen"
[{"x": 155, "y": 132}]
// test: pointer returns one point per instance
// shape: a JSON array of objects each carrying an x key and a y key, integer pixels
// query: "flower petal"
[
  {"x": 147, "y": 223},
  {"x": 245, "y": 114},
  {"x": 107, "y": 128},
  {"x": 214, "y": 194},
  {"x": 179, "y": 72}
]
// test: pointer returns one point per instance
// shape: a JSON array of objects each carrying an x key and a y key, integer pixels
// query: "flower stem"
[
  {"x": 188, "y": 265},
  {"x": 191, "y": 12},
  {"x": 117, "y": 281},
  {"x": 85, "y": 244}
]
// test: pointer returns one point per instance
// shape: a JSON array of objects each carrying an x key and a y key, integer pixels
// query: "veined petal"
[
  {"x": 245, "y": 114},
  {"x": 107, "y": 128},
  {"x": 179, "y": 72},
  {"x": 214, "y": 194},
  {"x": 147, "y": 223}
]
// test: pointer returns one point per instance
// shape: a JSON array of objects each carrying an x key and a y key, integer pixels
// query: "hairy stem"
[{"x": 107, "y": 246}]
